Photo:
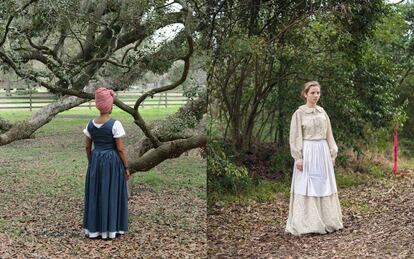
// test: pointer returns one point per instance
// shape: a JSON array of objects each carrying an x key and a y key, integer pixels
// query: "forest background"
[{"x": 361, "y": 52}]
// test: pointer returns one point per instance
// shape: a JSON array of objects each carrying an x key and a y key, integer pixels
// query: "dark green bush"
[
  {"x": 224, "y": 176},
  {"x": 282, "y": 162}
]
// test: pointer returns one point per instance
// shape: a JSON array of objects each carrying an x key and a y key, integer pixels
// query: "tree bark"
[
  {"x": 24, "y": 129},
  {"x": 167, "y": 150}
]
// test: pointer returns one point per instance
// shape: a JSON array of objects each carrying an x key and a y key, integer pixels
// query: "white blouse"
[
  {"x": 117, "y": 129},
  {"x": 310, "y": 123}
]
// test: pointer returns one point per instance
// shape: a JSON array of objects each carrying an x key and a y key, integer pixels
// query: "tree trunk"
[
  {"x": 236, "y": 116},
  {"x": 281, "y": 128}
]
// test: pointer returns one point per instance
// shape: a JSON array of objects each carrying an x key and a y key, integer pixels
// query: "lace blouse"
[{"x": 310, "y": 124}]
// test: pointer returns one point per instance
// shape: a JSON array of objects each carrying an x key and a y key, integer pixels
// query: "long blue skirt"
[{"x": 106, "y": 196}]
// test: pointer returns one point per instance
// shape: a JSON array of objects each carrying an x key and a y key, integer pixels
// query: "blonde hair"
[{"x": 307, "y": 86}]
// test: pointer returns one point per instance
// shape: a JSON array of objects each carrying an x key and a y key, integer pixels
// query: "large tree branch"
[
  {"x": 35, "y": 78},
  {"x": 167, "y": 150},
  {"x": 56, "y": 69},
  {"x": 105, "y": 45},
  {"x": 20, "y": 72},
  {"x": 140, "y": 32},
  {"x": 24, "y": 129},
  {"x": 59, "y": 45},
  {"x": 93, "y": 24}
]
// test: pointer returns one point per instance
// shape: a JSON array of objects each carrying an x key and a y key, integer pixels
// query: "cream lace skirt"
[{"x": 309, "y": 214}]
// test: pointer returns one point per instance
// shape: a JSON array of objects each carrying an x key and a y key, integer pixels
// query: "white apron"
[{"x": 317, "y": 178}]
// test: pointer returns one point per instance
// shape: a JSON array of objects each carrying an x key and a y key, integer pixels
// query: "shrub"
[
  {"x": 223, "y": 175},
  {"x": 282, "y": 162}
]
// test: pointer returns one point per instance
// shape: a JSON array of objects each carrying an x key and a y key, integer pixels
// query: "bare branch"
[
  {"x": 135, "y": 47},
  {"x": 124, "y": 107},
  {"x": 59, "y": 44},
  {"x": 186, "y": 59},
  {"x": 44, "y": 49},
  {"x": 41, "y": 48},
  {"x": 115, "y": 63},
  {"x": 139, "y": 121}
]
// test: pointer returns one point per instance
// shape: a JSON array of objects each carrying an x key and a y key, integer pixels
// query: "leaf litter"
[{"x": 378, "y": 223}]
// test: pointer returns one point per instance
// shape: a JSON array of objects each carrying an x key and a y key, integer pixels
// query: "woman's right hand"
[
  {"x": 127, "y": 173},
  {"x": 299, "y": 166}
]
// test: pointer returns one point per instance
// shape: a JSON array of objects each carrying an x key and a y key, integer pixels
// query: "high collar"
[{"x": 307, "y": 109}]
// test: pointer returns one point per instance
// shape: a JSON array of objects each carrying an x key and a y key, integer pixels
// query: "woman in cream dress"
[{"x": 314, "y": 205}]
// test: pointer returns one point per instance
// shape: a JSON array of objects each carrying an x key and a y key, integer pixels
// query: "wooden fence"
[{"x": 39, "y": 100}]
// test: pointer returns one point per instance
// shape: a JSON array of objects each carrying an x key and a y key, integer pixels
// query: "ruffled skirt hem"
[
  {"x": 309, "y": 214},
  {"x": 103, "y": 235}
]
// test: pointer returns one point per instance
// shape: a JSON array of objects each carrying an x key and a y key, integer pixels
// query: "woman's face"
[{"x": 313, "y": 95}]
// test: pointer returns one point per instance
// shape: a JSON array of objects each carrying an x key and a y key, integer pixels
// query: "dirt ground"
[{"x": 378, "y": 223}]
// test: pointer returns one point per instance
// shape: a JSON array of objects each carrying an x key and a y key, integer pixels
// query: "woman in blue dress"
[{"x": 106, "y": 196}]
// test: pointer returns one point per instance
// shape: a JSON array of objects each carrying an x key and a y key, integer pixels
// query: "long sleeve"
[
  {"x": 333, "y": 148},
  {"x": 295, "y": 137}
]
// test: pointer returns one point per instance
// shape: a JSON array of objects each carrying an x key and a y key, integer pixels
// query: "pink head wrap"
[{"x": 104, "y": 98}]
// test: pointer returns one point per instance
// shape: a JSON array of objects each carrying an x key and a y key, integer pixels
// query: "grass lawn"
[{"x": 81, "y": 113}]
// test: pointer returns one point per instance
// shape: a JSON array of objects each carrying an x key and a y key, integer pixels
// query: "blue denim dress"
[{"x": 106, "y": 197}]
